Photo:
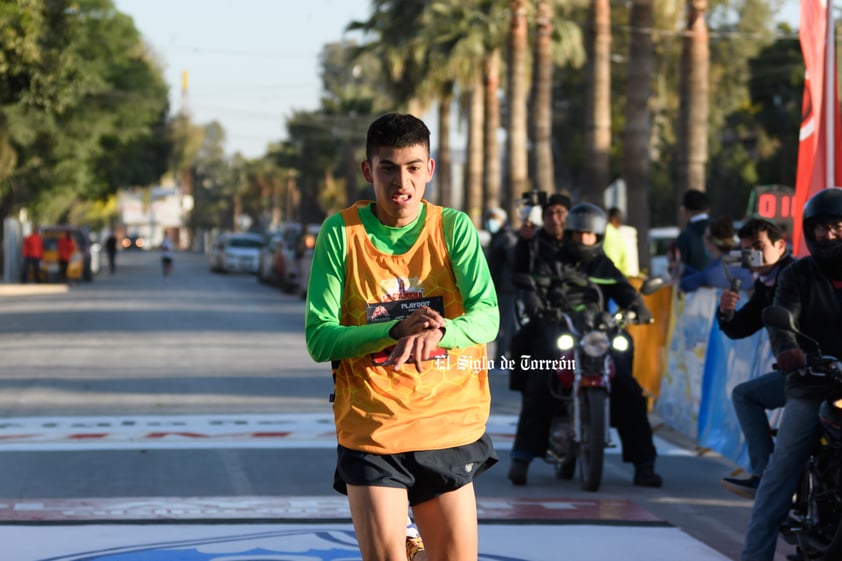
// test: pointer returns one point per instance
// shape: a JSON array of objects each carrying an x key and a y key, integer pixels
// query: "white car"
[{"x": 236, "y": 253}]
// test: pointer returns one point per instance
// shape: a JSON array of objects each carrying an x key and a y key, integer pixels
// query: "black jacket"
[
  {"x": 691, "y": 246},
  {"x": 544, "y": 255},
  {"x": 746, "y": 320},
  {"x": 501, "y": 255},
  {"x": 816, "y": 306}
]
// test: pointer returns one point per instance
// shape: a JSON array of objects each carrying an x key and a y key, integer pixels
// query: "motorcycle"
[
  {"x": 584, "y": 336},
  {"x": 814, "y": 521}
]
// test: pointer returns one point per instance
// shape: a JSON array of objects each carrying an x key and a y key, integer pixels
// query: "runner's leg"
[
  {"x": 449, "y": 525},
  {"x": 379, "y": 515}
]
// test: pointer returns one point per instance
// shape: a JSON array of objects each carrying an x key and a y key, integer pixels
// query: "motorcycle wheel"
[{"x": 592, "y": 447}]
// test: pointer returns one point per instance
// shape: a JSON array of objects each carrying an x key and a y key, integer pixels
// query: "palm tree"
[
  {"x": 636, "y": 135},
  {"x": 465, "y": 37},
  {"x": 693, "y": 109},
  {"x": 541, "y": 106},
  {"x": 491, "y": 151},
  {"x": 518, "y": 91},
  {"x": 598, "y": 102}
]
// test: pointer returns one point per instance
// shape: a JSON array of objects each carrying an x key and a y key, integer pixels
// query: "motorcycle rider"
[
  {"x": 753, "y": 397},
  {"x": 811, "y": 289},
  {"x": 578, "y": 253}
]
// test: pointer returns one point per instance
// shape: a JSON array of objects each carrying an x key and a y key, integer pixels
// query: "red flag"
[{"x": 820, "y": 138}]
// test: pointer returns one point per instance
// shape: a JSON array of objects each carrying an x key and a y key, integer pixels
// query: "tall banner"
[{"x": 820, "y": 137}]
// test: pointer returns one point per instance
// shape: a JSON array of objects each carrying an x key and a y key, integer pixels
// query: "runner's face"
[{"x": 399, "y": 177}]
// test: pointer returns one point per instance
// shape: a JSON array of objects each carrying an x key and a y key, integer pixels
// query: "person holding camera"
[
  {"x": 541, "y": 231},
  {"x": 811, "y": 290},
  {"x": 767, "y": 257},
  {"x": 719, "y": 241},
  {"x": 577, "y": 250}
]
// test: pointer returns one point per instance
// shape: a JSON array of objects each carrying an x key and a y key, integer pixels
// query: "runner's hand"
[
  {"x": 414, "y": 348},
  {"x": 420, "y": 320}
]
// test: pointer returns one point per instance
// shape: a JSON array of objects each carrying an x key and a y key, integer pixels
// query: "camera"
[
  {"x": 532, "y": 207},
  {"x": 746, "y": 258}
]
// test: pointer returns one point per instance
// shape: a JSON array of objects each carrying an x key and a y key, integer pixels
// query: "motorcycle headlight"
[
  {"x": 620, "y": 343},
  {"x": 838, "y": 403},
  {"x": 565, "y": 342},
  {"x": 595, "y": 343}
]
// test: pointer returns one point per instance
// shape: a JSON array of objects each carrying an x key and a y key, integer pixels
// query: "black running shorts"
[{"x": 425, "y": 475}]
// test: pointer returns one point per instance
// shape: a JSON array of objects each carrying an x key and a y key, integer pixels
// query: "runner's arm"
[{"x": 326, "y": 338}]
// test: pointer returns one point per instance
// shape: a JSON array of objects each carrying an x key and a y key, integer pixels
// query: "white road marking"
[{"x": 281, "y": 431}]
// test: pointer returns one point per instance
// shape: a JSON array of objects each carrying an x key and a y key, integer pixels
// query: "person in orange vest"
[
  {"x": 33, "y": 252},
  {"x": 66, "y": 247}
]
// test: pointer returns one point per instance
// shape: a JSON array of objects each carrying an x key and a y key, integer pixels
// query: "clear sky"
[{"x": 251, "y": 63}]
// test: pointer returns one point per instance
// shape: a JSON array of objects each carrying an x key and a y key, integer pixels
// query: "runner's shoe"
[
  {"x": 414, "y": 545},
  {"x": 413, "y": 540}
]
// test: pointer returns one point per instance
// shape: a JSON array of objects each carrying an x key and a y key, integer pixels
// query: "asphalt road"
[{"x": 203, "y": 343}]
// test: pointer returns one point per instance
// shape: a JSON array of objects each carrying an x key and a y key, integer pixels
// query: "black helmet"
[
  {"x": 585, "y": 217},
  {"x": 824, "y": 206}
]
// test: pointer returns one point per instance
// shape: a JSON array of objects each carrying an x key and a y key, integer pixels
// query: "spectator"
[
  {"x": 618, "y": 243},
  {"x": 754, "y": 397},
  {"x": 166, "y": 257},
  {"x": 111, "y": 250},
  {"x": 33, "y": 253},
  {"x": 65, "y": 247},
  {"x": 719, "y": 239},
  {"x": 695, "y": 206},
  {"x": 500, "y": 253}
]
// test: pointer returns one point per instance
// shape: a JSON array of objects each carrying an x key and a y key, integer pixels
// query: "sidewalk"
[{"x": 34, "y": 288}]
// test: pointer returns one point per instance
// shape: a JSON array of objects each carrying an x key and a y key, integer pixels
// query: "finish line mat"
[
  {"x": 259, "y": 509},
  {"x": 335, "y": 542}
]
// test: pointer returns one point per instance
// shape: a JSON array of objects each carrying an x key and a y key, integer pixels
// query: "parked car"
[
  {"x": 267, "y": 261},
  {"x": 236, "y": 253},
  {"x": 296, "y": 256},
  {"x": 84, "y": 263}
]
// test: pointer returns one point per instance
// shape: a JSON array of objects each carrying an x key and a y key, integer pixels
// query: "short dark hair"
[
  {"x": 396, "y": 130},
  {"x": 754, "y": 226},
  {"x": 614, "y": 212},
  {"x": 557, "y": 199},
  {"x": 695, "y": 201},
  {"x": 720, "y": 232}
]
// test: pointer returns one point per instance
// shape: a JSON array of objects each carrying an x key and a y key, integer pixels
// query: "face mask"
[{"x": 493, "y": 225}]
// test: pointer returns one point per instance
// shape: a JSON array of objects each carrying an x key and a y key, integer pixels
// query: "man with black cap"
[
  {"x": 534, "y": 240},
  {"x": 576, "y": 250}
]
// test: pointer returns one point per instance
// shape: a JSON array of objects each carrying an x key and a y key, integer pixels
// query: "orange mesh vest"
[{"x": 382, "y": 411}]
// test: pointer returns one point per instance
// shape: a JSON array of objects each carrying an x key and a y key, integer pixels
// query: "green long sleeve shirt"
[{"x": 328, "y": 340}]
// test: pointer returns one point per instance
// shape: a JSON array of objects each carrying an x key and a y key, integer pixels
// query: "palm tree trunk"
[
  {"x": 598, "y": 108},
  {"x": 693, "y": 111},
  {"x": 473, "y": 201},
  {"x": 444, "y": 160},
  {"x": 517, "y": 168},
  {"x": 491, "y": 151},
  {"x": 541, "y": 110},
  {"x": 636, "y": 136}
]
